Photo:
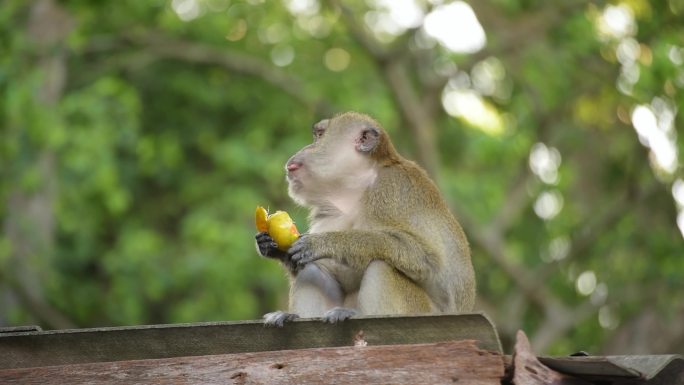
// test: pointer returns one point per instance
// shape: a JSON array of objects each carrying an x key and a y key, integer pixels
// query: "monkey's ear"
[{"x": 368, "y": 139}]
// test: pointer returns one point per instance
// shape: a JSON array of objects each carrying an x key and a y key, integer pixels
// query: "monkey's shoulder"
[{"x": 406, "y": 184}]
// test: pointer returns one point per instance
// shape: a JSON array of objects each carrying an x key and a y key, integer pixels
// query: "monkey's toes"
[
  {"x": 278, "y": 318},
  {"x": 338, "y": 314}
]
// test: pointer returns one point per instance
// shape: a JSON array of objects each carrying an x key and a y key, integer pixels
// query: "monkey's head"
[{"x": 344, "y": 156}]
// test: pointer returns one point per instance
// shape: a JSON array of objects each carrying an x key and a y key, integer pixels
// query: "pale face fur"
[{"x": 331, "y": 172}]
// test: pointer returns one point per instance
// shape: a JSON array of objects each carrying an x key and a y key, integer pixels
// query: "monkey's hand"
[
  {"x": 267, "y": 247},
  {"x": 304, "y": 250}
]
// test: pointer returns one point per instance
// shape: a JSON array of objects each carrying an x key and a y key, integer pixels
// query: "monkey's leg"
[
  {"x": 384, "y": 290},
  {"x": 313, "y": 291}
]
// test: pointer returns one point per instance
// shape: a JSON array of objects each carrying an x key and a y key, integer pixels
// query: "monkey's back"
[{"x": 405, "y": 198}]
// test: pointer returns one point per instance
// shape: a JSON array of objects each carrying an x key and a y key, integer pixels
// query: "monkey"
[{"x": 381, "y": 240}]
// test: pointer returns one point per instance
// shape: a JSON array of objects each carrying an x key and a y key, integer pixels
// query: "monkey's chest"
[
  {"x": 339, "y": 222},
  {"x": 325, "y": 226}
]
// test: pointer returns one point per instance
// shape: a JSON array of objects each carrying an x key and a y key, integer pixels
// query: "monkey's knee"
[
  {"x": 385, "y": 290},
  {"x": 314, "y": 276}
]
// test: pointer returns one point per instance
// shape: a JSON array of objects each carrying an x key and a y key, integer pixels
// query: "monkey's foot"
[
  {"x": 278, "y": 318},
  {"x": 338, "y": 314}
]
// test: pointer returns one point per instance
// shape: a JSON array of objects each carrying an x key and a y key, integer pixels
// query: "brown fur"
[{"x": 379, "y": 229}]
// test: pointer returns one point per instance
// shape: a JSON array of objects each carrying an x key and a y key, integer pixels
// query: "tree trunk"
[{"x": 30, "y": 220}]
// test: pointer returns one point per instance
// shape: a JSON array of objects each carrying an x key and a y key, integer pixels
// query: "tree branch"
[
  {"x": 420, "y": 121},
  {"x": 528, "y": 26},
  {"x": 559, "y": 321},
  {"x": 45, "y": 313},
  {"x": 648, "y": 332},
  {"x": 370, "y": 44},
  {"x": 164, "y": 47}
]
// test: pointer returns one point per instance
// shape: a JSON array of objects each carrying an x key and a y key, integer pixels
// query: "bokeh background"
[{"x": 137, "y": 137}]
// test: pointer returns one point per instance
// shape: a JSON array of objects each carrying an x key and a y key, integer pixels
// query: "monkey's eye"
[{"x": 318, "y": 133}]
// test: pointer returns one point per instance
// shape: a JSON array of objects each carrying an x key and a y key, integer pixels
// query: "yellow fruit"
[
  {"x": 261, "y": 219},
  {"x": 278, "y": 225},
  {"x": 282, "y": 229}
]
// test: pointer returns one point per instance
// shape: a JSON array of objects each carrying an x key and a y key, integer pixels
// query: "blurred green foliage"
[{"x": 172, "y": 126}]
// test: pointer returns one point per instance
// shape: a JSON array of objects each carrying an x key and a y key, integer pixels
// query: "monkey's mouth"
[
  {"x": 295, "y": 171},
  {"x": 292, "y": 178},
  {"x": 294, "y": 186},
  {"x": 293, "y": 181}
]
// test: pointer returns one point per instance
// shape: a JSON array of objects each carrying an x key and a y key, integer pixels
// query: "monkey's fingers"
[
  {"x": 262, "y": 234},
  {"x": 297, "y": 246},
  {"x": 264, "y": 237},
  {"x": 301, "y": 253},
  {"x": 267, "y": 246}
]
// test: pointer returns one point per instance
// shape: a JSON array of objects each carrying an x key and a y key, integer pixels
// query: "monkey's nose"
[{"x": 292, "y": 166}]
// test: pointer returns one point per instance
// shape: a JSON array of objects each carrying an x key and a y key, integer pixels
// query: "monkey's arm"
[{"x": 357, "y": 248}]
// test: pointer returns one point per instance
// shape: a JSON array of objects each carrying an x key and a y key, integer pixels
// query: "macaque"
[{"x": 381, "y": 239}]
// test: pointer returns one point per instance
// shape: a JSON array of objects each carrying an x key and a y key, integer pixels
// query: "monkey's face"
[{"x": 336, "y": 162}]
